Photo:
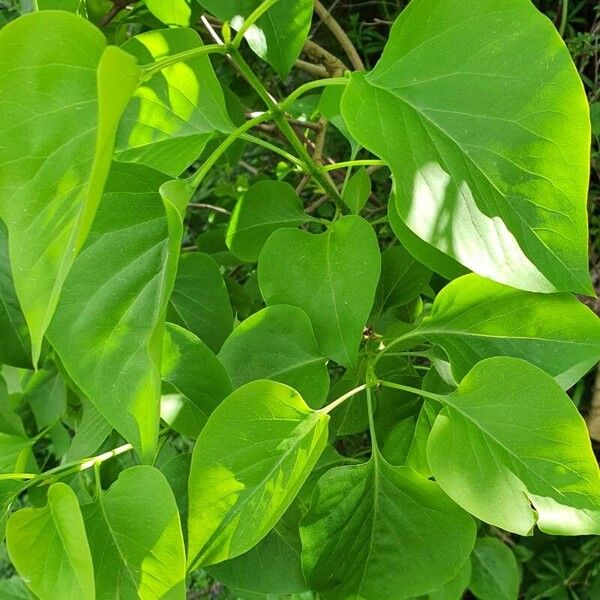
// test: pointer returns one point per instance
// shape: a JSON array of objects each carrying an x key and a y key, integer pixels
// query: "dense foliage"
[{"x": 235, "y": 366}]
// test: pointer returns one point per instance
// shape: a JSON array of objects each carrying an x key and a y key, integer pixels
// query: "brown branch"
[
  {"x": 340, "y": 36},
  {"x": 117, "y": 7},
  {"x": 318, "y": 71},
  {"x": 335, "y": 67},
  {"x": 593, "y": 417}
]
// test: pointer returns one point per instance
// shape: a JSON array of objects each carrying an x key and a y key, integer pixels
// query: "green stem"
[
  {"x": 311, "y": 85},
  {"x": 258, "y": 12},
  {"x": 327, "y": 409},
  {"x": 275, "y": 149},
  {"x": 564, "y": 17},
  {"x": 196, "y": 179},
  {"x": 355, "y": 163},
  {"x": 17, "y": 476},
  {"x": 152, "y": 69},
  {"x": 412, "y": 390},
  {"x": 277, "y": 112}
]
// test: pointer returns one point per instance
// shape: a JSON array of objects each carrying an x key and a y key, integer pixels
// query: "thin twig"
[
  {"x": 335, "y": 67},
  {"x": 117, "y": 7},
  {"x": 340, "y": 36},
  {"x": 218, "y": 209},
  {"x": 318, "y": 71}
]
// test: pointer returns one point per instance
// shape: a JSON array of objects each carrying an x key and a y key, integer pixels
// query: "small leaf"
[
  {"x": 265, "y": 207},
  {"x": 49, "y": 548},
  {"x": 278, "y": 36},
  {"x": 402, "y": 279},
  {"x": 495, "y": 574},
  {"x": 357, "y": 191},
  {"x": 135, "y": 538},
  {"x": 108, "y": 326},
  {"x": 490, "y": 167},
  {"x": 250, "y": 460},
  {"x": 453, "y": 589},
  {"x": 63, "y": 93},
  {"x": 332, "y": 276},
  {"x": 92, "y": 431},
  {"x": 197, "y": 381},
  {"x": 330, "y": 107},
  {"x": 510, "y": 425},
  {"x": 474, "y": 318},
  {"x": 199, "y": 300},
  {"x": 372, "y": 523},
  {"x": 173, "y": 115},
  {"x": 257, "y": 350}
]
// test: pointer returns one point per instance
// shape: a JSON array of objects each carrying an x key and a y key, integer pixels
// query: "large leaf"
[
  {"x": 481, "y": 115},
  {"x": 108, "y": 326},
  {"x": 278, "y": 36},
  {"x": 332, "y": 276},
  {"x": 510, "y": 447},
  {"x": 196, "y": 381},
  {"x": 15, "y": 349},
  {"x": 200, "y": 301},
  {"x": 62, "y": 93},
  {"x": 495, "y": 574},
  {"x": 264, "y": 207},
  {"x": 171, "y": 116},
  {"x": 49, "y": 548},
  {"x": 135, "y": 538},
  {"x": 376, "y": 523},
  {"x": 474, "y": 318},
  {"x": 250, "y": 460},
  {"x": 258, "y": 349}
]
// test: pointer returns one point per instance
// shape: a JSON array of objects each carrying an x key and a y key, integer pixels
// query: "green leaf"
[
  {"x": 172, "y": 12},
  {"x": 474, "y": 318},
  {"x": 63, "y": 92},
  {"x": 495, "y": 574},
  {"x": 173, "y": 115},
  {"x": 15, "y": 349},
  {"x": 197, "y": 381},
  {"x": 402, "y": 279},
  {"x": 49, "y": 548},
  {"x": 46, "y": 394},
  {"x": 177, "y": 472},
  {"x": 375, "y": 523},
  {"x": 278, "y": 36},
  {"x": 510, "y": 425},
  {"x": 135, "y": 538},
  {"x": 273, "y": 566},
  {"x": 14, "y": 589},
  {"x": 487, "y": 136},
  {"x": 422, "y": 251},
  {"x": 108, "y": 326},
  {"x": 332, "y": 276},
  {"x": 199, "y": 300},
  {"x": 92, "y": 431},
  {"x": 357, "y": 191},
  {"x": 453, "y": 589},
  {"x": 250, "y": 460},
  {"x": 265, "y": 207},
  {"x": 257, "y": 350}
]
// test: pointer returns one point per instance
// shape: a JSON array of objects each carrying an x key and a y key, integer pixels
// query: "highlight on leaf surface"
[{"x": 251, "y": 459}]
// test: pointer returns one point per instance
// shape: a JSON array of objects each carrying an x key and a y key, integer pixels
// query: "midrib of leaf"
[
  {"x": 114, "y": 539},
  {"x": 332, "y": 290}
]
